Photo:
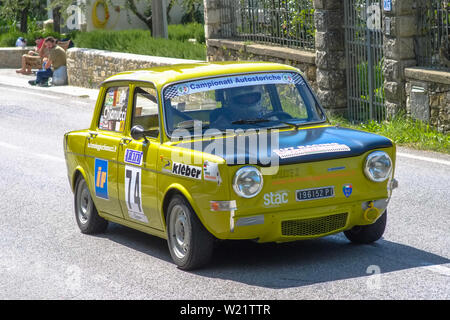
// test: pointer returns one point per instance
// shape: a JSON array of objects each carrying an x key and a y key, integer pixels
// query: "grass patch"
[
  {"x": 140, "y": 42},
  {"x": 404, "y": 132},
  {"x": 184, "y": 32}
]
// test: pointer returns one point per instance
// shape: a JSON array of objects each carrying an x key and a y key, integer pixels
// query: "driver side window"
[{"x": 145, "y": 110}]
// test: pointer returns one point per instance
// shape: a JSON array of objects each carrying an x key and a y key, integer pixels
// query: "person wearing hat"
[{"x": 21, "y": 42}]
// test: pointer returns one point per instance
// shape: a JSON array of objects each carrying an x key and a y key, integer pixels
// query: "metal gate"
[{"x": 364, "y": 55}]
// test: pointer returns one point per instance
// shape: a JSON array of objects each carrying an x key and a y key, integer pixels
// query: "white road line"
[
  {"x": 48, "y": 157},
  {"x": 9, "y": 146},
  {"x": 406, "y": 155},
  {"x": 33, "y": 154},
  {"x": 31, "y": 91},
  {"x": 438, "y": 269}
]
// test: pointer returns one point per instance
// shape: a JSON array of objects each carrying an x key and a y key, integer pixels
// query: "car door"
[
  {"x": 102, "y": 150},
  {"x": 137, "y": 161}
]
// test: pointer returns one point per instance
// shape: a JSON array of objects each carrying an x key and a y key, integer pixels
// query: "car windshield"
[{"x": 262, "y": 100}]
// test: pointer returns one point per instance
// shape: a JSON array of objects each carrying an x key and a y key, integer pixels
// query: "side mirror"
[{"x": 138, "y": 133}]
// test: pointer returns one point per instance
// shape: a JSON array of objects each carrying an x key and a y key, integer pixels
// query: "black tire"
[
  {"x": 368, "y": 234},
  {"x": 86, "y": 213},
  {"x": 190, "y": 244}
]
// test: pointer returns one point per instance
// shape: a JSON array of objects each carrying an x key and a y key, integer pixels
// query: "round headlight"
[
  {"x": 378, "y": 166},
  {"x": 247, "y": 182}
]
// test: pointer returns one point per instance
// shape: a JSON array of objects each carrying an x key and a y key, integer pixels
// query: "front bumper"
[{"x": 309, "y": 223}]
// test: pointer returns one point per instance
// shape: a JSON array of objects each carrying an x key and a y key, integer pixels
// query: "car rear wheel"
[
  {"x": 367, "y": 234},
  {"x": 190, "y": 244},
  {"x": 86, "y": 214}
]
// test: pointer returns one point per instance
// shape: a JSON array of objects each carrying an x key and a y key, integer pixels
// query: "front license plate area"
[{"x": 315, "y": 193}]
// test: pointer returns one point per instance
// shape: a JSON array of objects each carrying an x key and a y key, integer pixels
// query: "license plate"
[{"x": 315, "y": 193}]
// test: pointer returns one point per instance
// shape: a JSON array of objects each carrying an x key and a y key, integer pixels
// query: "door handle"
[
  {"x": 125, "y": 141},
  {"x": 92, "y": 135}
]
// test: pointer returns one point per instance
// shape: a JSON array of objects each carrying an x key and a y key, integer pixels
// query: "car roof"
[{"x": 179, "y": 72}]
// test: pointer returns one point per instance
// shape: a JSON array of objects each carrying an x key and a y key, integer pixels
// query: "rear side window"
[{"x": 114, "y": 109}]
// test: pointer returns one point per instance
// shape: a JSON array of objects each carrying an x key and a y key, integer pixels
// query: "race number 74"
[{"x": 133, "y": 194}]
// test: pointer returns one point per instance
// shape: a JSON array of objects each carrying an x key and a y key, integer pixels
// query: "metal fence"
[
  {"x": 364, "y": 57},
  {"x": 281, "y": 22},
  {"x": 432, "y": 44}
]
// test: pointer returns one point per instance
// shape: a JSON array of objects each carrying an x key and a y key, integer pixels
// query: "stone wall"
[
  {"x": 330, "y": 55},
  {"x": 227, "y": 50},
  {"x": 89, "y": 67},
  {"x": 428, "y": 97},
  {"x": 12, "y": 57},
  {"x": 399, "y": 31}
]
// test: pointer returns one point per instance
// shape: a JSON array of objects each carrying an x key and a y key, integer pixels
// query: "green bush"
[
  {"x": 9, "y": 39},
  {"x": 183, "y": 32},
  {"x": 140, "y": 42}
]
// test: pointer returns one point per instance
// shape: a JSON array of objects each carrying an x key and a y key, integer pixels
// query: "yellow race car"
[{"x": 194, "y": 153}]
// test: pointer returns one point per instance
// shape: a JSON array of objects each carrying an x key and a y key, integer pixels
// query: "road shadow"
[{"x": 287, "y": 265}]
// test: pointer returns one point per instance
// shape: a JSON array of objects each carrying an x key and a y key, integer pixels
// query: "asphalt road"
[{"x": 44, "y": 256}]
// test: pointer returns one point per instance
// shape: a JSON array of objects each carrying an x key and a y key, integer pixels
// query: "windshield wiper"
[
  {"x": 191, "y": 124},
  {"x": 250, "y": 121},
  {"x": 298, "y": 125}
]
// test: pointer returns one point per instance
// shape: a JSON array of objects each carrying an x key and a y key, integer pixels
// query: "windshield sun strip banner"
[{"x": 231, "y": 82}]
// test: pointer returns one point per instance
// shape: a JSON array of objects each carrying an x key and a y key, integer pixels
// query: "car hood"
[{"x": 289, "y": 146}]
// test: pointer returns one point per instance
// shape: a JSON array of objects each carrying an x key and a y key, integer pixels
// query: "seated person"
[
  {"x": 241, "y": 103},
  {"x": 21, "y": 42},
  {"x": 55, "y": 65},
  {"x": 34, "y": 57}
]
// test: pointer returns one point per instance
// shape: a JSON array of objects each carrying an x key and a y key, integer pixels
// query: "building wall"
[{"x": 119, "y": 17}]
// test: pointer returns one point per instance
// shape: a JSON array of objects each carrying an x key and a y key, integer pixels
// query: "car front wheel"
[
  {"x": 86, "y": 214},
  {"x": 367, "y": 234},
  {"x": 190, "y": 244}
]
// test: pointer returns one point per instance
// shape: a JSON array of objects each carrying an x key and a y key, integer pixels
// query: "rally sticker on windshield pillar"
[{"x": 298, "y": 151}]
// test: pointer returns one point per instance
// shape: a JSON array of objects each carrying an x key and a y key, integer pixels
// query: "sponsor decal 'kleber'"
[{"x": 186, "y": 170}]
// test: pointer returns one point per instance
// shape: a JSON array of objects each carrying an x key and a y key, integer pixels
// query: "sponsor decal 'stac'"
[
  {"x": 211, "y": 172},
  {"x": 186, "y": 170},
  {"x": 347, "y": 189},
  {"x": 133, "y": 157},
  {"x": 298, "y": 151},
  {"x": 101, "y": 178},
  {"x": 275, "y": 198}
]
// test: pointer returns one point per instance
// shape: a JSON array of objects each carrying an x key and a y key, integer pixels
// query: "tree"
[{"x": 18, "y": 11}]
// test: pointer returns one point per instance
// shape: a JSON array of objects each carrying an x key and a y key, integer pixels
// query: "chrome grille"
[{"x": 314, "y": 226}]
